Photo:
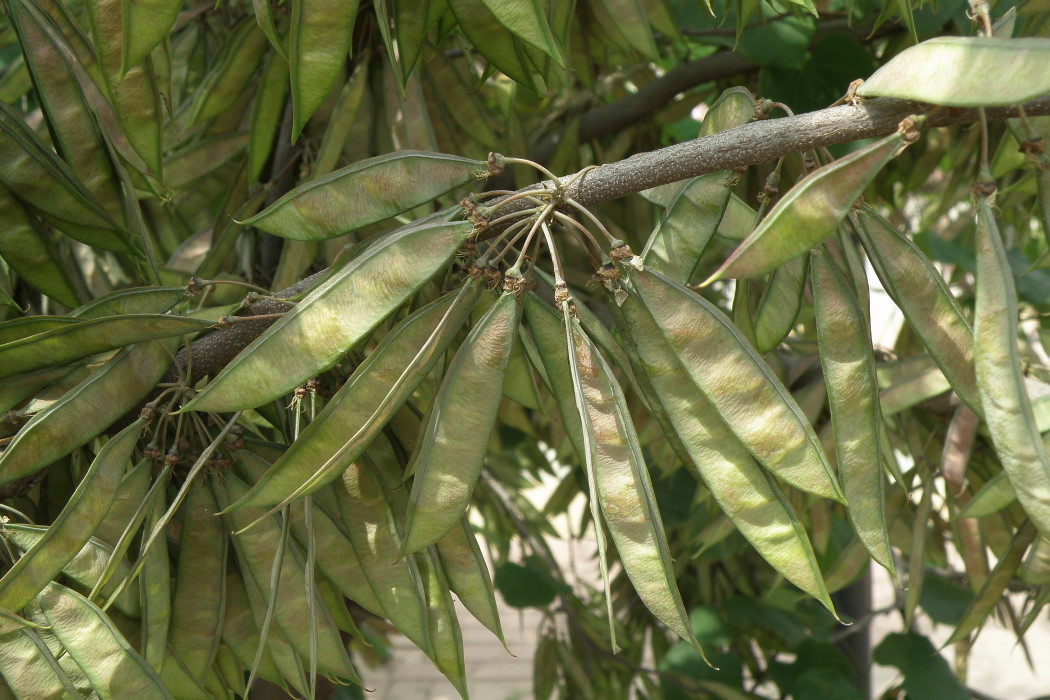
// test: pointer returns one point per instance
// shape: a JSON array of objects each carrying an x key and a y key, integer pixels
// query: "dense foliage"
[{"x": 299, "y": 299}]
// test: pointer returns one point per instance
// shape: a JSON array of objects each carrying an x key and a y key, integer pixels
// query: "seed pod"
[
  {"x": 362, "y": 406},
  {"x": 813, "y": 208},
  {"x": 319, "y": 39},
  {"x": 256, "y": 549},
  {"x": 691, "y": 219},
  {"x": 74, "y": 127},
  {"x": 930, "y": 308},
  {"x": 753, "y": 501},
  {"x": 494, "y": 41},
  {"x": 40, "y": 179},
  {"x": 112, "y": 665},
  {"x": 86, "y": 566},
  {"x": 624, "y": 491},
  {"x": 73, "y": 527},
  {"x": 361, "y": 194},
  {"x": 370, "y": 526},
  {"x": 231, "y": 75},
  {"x": 133, "y": 92},
  {"x": 266, "y": 112},
  {"x": 450, "y": 455},
  {"x": 30, "y": 669},
  {"x": 468, "y": 576},
  {"x": 71, "y": 342},
  {"x": 87, "y": 409},
  {"x": 337, "y": 314},
  {"x": 849, "y": 374},
  {"x": 200, "y": 581},
  {"x": 32, "y": 254},
  {"x": 1007, "y": 407},
  {"x": 781, "y": 301},
  {"x": 155, "y": 589},
  {"x": 742, "y": 387},
  {"x": 971, "y": 71}
]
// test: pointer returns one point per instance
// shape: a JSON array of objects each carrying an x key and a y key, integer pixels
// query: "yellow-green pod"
[
  {"x": 753, "y": 501},
  {"x": 965, "y": 71},
  {"x": 446, "y": 638},
  {"x": 853, "y": 396},
  {"x": 780, "y": 303},
  {"x": 136, "y": 300},
  {"x": 73, "y": 341},
  {"x": 451, "y": 452},
  {"x": 146, "y": 24},
  {"x": 695, "y": 208},
  {"x": 189, "y": 165},
  {"x": 362, "y": 406},
  {"x": 31, "y": 253},
  {"x": 331, "y": 319},
  {"x": 548, "y": 332},
  {"x": 133, "y": 93},
  {"x": 87, "y": 409},
  {"x": 266, "y": 113},
  {"x": 232, "y": 73},
  {"x": 813, "y": 208},
  {"x": 241, "y": 634},
  {"x": 930, "y": 308},
  {"x": 468, "y": 576},
  {"x": 494, "y": 41},
  {"x": 31, "y": 671},
  {"x": 155, "y": 589},
  {"x": 336, "y": 557},
  {"x": 691, "y": 219},
  {"x": 744, "y": 389},
  {"x": 74, "y": 127},
  {"x": 361, "y": 194},
  {"x": 71, "y": 530},
  {"x": 91, "y": 639},
  {"x": 256, "y": 550},
  {"x": 1007, "y": 407},
  {"x": 200, "y": 582},
  {"x": 86, "y": 566},
  {"x": 527, "y": 19},
  {"x": 320, "y": 37},
  {"x": 40, "y": 179},
  {"x": 624, "y": 490},
  {"x": 370, "y": 526}
]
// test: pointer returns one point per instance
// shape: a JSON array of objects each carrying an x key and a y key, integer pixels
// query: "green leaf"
[
  {"x": 943, "y": 600},
  {"x": 528, "y": 586},
  {"x": 823, "y": 77},
  {"x": 781, "y": 44},
  {"x": 926, "y": 673}
]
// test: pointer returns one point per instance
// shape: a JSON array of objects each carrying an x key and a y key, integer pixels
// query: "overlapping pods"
[
  {"x": 747, "y": 394},
  {"x": 853, "y": 397},
  {"x": 622, "y": 485},
  {"x": 313, "y": 335},
  {"x": 742, "y": 489},
  {"x": 813, "y": 208},
  {"x": 451, "y": 451},
  {"x": 695, "y": 207},
  {"x": 362, "y": 406}
]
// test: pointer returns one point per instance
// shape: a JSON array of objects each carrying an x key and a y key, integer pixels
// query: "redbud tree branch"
[{"x": 746, "y": 145}]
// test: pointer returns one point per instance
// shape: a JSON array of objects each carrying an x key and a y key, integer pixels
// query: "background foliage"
[{"x": 138, "y": 137}]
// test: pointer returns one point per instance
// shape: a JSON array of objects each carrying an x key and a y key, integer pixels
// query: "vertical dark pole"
[{"x": 854, "y": 603}]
